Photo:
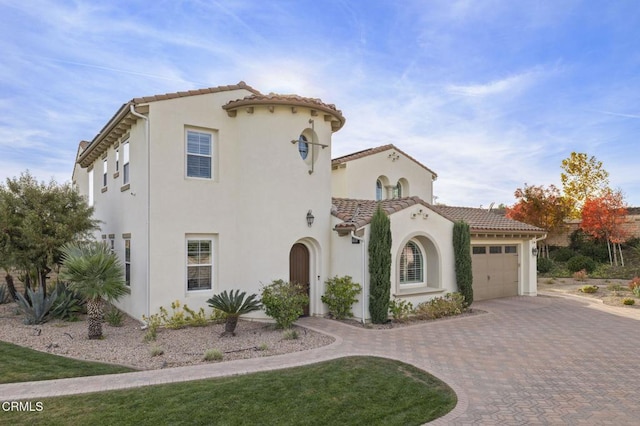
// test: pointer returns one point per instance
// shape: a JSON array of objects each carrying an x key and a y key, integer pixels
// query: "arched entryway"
[{"x": 299, "y": 271}]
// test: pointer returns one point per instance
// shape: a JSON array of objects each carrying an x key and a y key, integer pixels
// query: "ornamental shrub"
[
  {"x": 400, "y": 309},
  {"x": 284, "y": 302},
  {"x": 438, "y": 307},
  {"x": 580, "y": 262},
  {"x": 340, "y": 296},
  {"x": 563, "y": 254},
  {"x": 628, "y": 301},
  {"x": 544, "y": 265},
  {"x": 462, "y": 254},
  {"x": 589, "y": 288},
  {"x": 379, "y": 267}
]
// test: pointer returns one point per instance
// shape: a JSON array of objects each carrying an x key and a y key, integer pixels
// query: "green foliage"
[
  {"x": 114, "y": 317},
  {"x": 195, "y": 319},
  {"x": 153, "y": 322},
  {"x": 580, "y": 262},
  {"x": 156, "y": 351},
  {"x": 36, "y": 306},
  {"x": 233, "y": 305},
  {"x": 462, "y": 253},
  {"x": 213, "y": 355},
  {"x": 37, "y": 219},
  {"x": 181, "y": 316},
  {"x": 4, "y": 294},
  {"x": 340, "y": 296},
  {"x": 450, "y": 304},
  {"x": 400, "y": 309},
  {"x": 290, "y": 334},
  {"x": 544, "y": 265},
  {"x": 562, "y": 254},
  {"x": 589, "y": 288},
  {"x": 586, "y": 245},
  {"x": 628, "y": 301},
  {"x": 68, "y": 305},
  {"x": 284, "y": 302},
  {"x": 379, "y": 267}
]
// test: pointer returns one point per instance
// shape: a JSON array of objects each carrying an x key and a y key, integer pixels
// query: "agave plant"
[
  {"x": 36, "y": 306},
  {"x": 95, "y": 273},
  {"x": 233, "y": 305}
]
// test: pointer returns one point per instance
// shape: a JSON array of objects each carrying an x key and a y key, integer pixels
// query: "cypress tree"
[
  {"x": 379, "y": 267},
  {"x": 462, "y": 252}
]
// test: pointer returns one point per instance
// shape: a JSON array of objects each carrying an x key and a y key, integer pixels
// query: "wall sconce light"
[
  {"x": 534, "y": 251},
  {"x": 310, "y": 218}
]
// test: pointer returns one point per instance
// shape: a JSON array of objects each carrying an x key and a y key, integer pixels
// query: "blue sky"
[{"x": 489, "y": 94}]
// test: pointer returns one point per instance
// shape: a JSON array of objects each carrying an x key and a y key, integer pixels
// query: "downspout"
[
  {"x": 364, "y": 286},
  {"x": 148, "y": 265}
]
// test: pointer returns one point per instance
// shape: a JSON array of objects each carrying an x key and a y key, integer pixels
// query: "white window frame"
[
  {"x": 423, "y": 270},
  {"x": 188, "y": 154},
  {"x": 192, "y": 239},
  {"x": 117, "y": 160},
  {"x": 105, "y": 168},
  {"x": 127, "y": 261},
  {"x": 379, "y": 190},
  {"x": 126, "y": 170},
  {"x": 90, "y": 192}
]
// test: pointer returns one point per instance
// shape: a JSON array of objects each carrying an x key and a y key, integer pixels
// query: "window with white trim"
[
  {"x": 127, "y": 261},
  {"x": 90, "y": 195},
  {"x": 117, "y": 160},
  {"x": 199, "y": 154},
  {"x": 411, "y": 264},
  {"x": 125, "y": 163},
  {"x": 199, "y": 264},
  {"x": 105, "y": 166}
]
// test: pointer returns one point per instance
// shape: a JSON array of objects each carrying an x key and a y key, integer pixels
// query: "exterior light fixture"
[
  {"x": 310, "y": 218},
  {"x": 534, "y": 251}
]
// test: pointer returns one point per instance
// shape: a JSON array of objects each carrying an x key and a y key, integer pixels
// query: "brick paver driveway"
[{"x": 528, "y": 360}]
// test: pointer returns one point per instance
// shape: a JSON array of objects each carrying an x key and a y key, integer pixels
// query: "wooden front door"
[{"x": 299, "y": 268}]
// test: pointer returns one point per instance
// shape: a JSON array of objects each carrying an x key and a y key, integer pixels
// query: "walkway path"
[{"x": 529, "y": 360}]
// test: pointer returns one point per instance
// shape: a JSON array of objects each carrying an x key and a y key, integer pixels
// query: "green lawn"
[
  {"x": 346, "y": 391},
  {"x": 18, "y": 364}
]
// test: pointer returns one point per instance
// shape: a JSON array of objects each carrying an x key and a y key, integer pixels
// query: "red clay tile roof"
[
  {"x": 484, "y": 220},
  {"x": 371, "y": 151},
  {"x": 289, "y": 100},
  {"x": 217, "y": 89},
  {"x": 358, "y": 213}
]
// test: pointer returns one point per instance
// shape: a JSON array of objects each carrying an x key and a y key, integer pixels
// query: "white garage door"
[{"x": 495, "y": 271}]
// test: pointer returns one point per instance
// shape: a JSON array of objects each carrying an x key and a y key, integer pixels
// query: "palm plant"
[
  {"x": 95, "y": 273},
  {"x": 233, "y": 305}
]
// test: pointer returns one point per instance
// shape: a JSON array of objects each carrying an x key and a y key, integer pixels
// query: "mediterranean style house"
[{"x": 228, "y": 188}]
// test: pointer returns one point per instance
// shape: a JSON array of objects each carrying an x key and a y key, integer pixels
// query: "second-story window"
[
  {"x": 104, "y": 173},
  {"x": 125, "y": 163},
  {"x": 90, "y": 177},
  {"x": 378, "y": 190},
  {"x": 117, "y": 160},
  {"x": 199, "y": 151}
]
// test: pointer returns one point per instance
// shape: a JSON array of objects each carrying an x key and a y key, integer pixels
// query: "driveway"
[{"x": 528, "y": 360}]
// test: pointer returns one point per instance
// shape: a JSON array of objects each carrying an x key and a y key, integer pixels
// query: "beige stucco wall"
[
  {"x": 358, "y": 178},
  {"x": 255, "y": 207},
  {"x": 406, "y": 224}
]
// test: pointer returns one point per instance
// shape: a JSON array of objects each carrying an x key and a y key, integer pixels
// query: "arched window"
[
  {"x": 398, "y": 190},
  {"x": 378, "y": 190},
  {"x": 411, "y": 264}
]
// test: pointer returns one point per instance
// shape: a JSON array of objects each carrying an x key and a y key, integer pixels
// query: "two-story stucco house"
[{"x": 227, "y": 188}]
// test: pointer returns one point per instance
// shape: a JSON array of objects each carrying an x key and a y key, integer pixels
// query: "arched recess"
[
  {"x": 432, "y": 266},
  {"x": 382, "y": 183},
  {"x": 403, "y": 188},
  {"x": 297, "y": 258}
]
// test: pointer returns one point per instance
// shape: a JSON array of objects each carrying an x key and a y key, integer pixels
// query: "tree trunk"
[
  {"x": 230, "y": 325},
  {"x": 12, "y": 288},
  {"x": 621, "y": 258},
  {"x": 94, "y": 318}
]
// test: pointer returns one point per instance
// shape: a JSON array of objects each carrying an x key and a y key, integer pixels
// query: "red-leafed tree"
[
  {"x": 603, "y": 217},
  {"x": 543, "y": 207}
]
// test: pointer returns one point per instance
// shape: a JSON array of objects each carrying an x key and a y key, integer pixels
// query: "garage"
[{"x": 495, "y": 270}]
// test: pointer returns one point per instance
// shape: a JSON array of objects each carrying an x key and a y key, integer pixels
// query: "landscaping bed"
[
  {"x": 610, "y": 291},
  {"x": 126, "y": 345}
]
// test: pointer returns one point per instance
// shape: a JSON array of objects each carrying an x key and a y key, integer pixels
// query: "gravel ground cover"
[{"x": 126, "y": 345}]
